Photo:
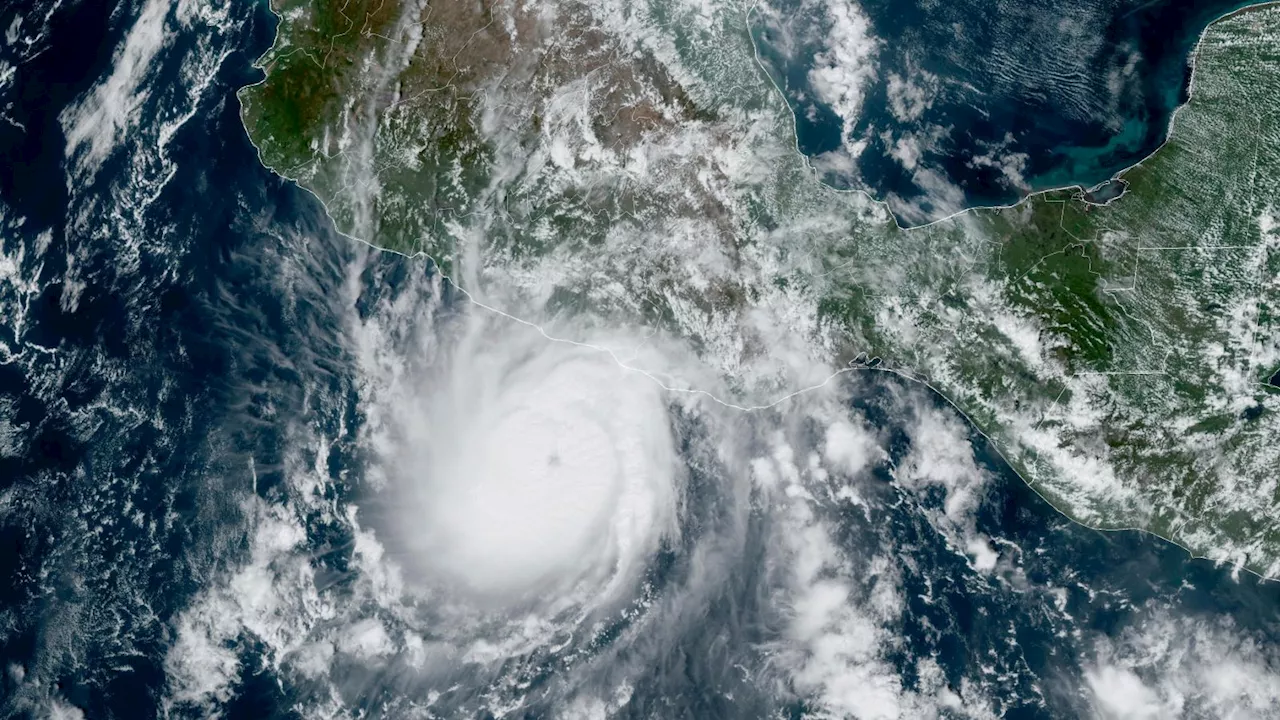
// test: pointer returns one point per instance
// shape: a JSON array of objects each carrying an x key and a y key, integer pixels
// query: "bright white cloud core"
[{"x": 528, "y": 464}]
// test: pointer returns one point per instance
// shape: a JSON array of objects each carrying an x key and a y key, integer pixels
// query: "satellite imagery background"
[{"x": 639, "y": 358}]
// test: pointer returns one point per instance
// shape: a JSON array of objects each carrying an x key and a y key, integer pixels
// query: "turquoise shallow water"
[{"x": 1005, "y": 97}]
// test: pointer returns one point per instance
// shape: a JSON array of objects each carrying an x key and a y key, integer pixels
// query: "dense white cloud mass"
[
  {"x": 520, "y": 462},
  {"x": 845, "y": 65},
  {"x": 547, "y": 517}
]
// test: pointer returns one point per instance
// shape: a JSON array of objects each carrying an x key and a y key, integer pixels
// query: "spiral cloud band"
[{"x": 528, "y": 465}]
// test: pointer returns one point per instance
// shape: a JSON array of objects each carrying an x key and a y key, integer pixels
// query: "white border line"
[{"x": 995, "y": 447}]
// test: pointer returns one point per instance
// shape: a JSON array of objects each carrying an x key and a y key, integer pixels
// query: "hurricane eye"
[{"x": 530, "y": 465}]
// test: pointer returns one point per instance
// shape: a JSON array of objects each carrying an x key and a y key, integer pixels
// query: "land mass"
[{"x": 633, "y": 162}]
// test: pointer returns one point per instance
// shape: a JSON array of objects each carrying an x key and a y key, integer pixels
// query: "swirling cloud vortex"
[{"x": 531, "y": 466}]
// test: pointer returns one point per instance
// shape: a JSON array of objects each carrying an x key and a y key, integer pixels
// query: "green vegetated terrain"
[
  {"x": 341, "y": 67},
  {"x": 1119, "y": 355},
  {"x": 1116, "y": 355}
]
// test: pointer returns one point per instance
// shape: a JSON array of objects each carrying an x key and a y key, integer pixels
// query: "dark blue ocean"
[
  {"x": 979, "y": 102},
  {"x": 168, "y": 322}
]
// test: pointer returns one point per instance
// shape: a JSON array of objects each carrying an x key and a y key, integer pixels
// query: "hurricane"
[
  {"x": 518, "y": 467},
  {"x": 550, "y": 381}
]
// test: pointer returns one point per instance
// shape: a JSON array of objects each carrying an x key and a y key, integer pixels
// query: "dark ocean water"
[
  {"x": 170, "y": 323},
  {"x": 151, "y": 356},
  {"x": 1067, "y": 93},
  {"x": 1030, "y": 619}
]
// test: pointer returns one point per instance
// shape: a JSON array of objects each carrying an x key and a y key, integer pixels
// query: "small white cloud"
[
  {"x": 842, "y": 70},
  {"x": 984, "y": 557},
  {"x": 1012, "y": 166},
  {"x": 367, "y": 639},
  {"x": 851, "y": 448},
  {"x": 912, "y": 95},
  {"x": 59, "y": 710},
  {"x": 907, "y": 151},
  {"x": 1121, "y": 695}
]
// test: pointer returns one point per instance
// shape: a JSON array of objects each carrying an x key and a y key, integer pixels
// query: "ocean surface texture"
[
  {"x": 934, "y": 107},
  {"x": 194, "y": 519}
]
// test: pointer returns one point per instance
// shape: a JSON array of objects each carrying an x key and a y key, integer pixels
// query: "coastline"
[
  {"x": 1078, "y": 189},
  {"x": 908, "y": 374}
]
